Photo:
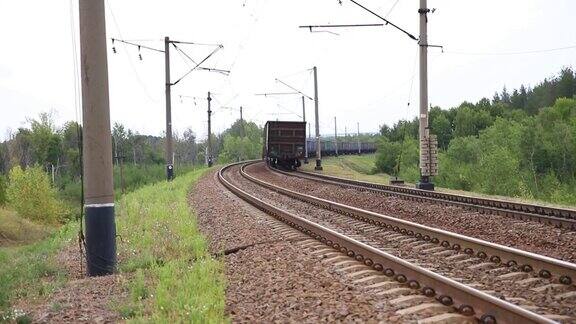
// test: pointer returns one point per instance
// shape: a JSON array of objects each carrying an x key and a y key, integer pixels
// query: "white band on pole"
[{"x": 99, "y": 205}]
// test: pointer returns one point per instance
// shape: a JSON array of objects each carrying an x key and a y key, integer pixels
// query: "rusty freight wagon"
[{"x": 284, "y": 144}]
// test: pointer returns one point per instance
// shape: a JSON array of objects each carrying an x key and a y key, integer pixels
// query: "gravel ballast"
[
  {"x": 483, "y": 278},
  {"x": 271, "y": 279},
  {"x": 525, "y": 235}
]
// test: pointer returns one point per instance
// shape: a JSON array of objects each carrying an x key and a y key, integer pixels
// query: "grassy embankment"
[
  {"x": 170, "y": 274},
  {"x": 362, "y": 168},
  {"x": 357, "y": 167}
]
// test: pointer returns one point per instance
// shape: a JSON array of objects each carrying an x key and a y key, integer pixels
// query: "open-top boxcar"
[
  {"x": 327, "y": 147},
  {"x": 284, "y": 144}
]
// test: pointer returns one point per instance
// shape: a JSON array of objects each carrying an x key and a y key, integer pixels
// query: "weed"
[
  {"x": 24, "y": 319},
  {"x": 56, "y": 307},
  {"x": 138, "y": 287},
  {"x": 127, "y": 311}
]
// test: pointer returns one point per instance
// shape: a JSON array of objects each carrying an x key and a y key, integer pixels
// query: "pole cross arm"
[
  {"x": 340, "y": 26},
  {"x": 134, "y": 44},
  {"x": 276, "y": 94}
]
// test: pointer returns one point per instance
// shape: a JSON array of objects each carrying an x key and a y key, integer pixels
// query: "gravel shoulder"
[
  {"x": 80, "y": 299},
  {"x": 271, "y": 279}
]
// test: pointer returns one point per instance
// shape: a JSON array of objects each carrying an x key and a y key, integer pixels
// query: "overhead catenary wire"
[
  {"x": 134, "y": 70},
  {"x": 77, "y": 104},
  {"x": 288, "y": 110},
  {"x": 391, "y": 9},
  {"x": 512, "y": 53},
  {"x": 309, "y": 70},
  {"x": 291, "y": 87}
]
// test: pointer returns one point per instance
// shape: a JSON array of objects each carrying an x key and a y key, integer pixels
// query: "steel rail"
[
  {"x": 564, "y": 218},
  {"x": 467, "y": 300},
  {"x": 546, "y": 267}
]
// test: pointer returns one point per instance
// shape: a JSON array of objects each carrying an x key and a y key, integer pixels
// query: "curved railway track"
[
  {"x": 565, "y": 218},
  {"x": 449, "y": 292}
]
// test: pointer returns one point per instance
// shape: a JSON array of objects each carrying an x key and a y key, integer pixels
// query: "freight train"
[{"x": 284, "y": 145}]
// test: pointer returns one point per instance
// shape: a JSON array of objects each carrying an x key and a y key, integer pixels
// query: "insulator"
[
  {"x": 114, "y": 49},
  {"x": 140, "y": 56}
]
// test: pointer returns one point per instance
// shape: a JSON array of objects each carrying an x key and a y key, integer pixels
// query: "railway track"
[
  {"x": 564, "y": 218},
  {"x": 367, "y": 238}
]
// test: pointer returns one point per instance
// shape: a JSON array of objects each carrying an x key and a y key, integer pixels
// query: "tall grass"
[
  {"x": 17, "y": 230},
  {"x": 24, "y": 270},
  {"x": 360, "y": 163},
  {"x": 176, "y": 279}
]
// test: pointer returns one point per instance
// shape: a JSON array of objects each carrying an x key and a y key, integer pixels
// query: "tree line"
[
  {"x": 55, "y": 150},
  {"x": 519, "y": 144}
]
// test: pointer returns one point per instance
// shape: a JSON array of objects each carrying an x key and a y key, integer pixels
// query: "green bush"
[
  {"x": 398, "y": 156},
  {"x": 30, "y": 193},
  {"x": 388, "y": 156},
  {"x": 3, "y": 184}
]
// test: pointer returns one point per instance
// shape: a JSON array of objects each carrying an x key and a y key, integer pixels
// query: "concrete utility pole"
[
  {"x": 306, "y": 137},
  {"x": 318, "y": 155},
  {"x": 335, "y": 137},
  {"x": 97, "y": 142},
  {"x": 358, "y": 134},
  {"x": 169, "y": 155},
  {"x": 209, "y": 147},
  {"x": 424, "y": 131}
]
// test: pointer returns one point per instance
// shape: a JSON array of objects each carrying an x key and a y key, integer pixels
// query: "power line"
[
  {"x": 513, "y": 53},
  {"x": 136, "y": 74},
  {"x": 391, "y": 8},
  {"x": 291, "y": 87},
  {"x": 288, "y": 110},
  {"x": 309, "y": 70}
]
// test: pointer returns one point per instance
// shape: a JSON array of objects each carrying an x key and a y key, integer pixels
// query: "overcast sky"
[{"x": 365, "y": 74}]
